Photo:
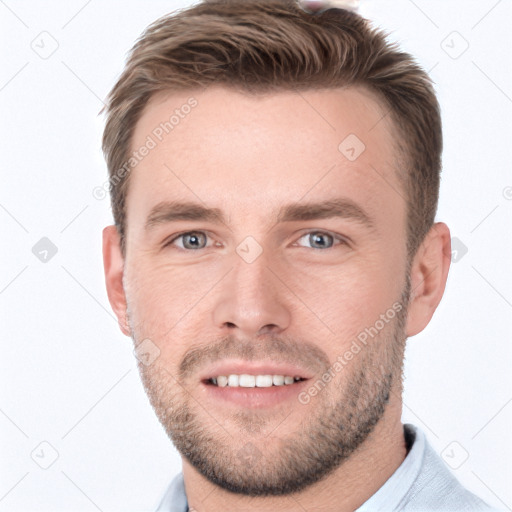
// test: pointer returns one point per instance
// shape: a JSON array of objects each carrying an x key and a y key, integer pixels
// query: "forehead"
[{"x": 249, "y": 152}]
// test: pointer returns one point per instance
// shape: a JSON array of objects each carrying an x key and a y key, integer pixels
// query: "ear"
[
  {"x": 113, "y": 264},
  {"x": 429, "y": 272}
]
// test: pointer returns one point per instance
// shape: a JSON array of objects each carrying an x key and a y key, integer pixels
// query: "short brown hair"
[{"x": 274, "y": 45}]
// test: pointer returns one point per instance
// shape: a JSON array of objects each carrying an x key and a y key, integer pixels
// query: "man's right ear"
[{"x": 113, "y": 264}]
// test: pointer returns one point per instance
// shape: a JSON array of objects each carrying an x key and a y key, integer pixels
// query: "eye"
[
  {"x": 320, "y": 239},
  {"x": 191, "y": 240}
]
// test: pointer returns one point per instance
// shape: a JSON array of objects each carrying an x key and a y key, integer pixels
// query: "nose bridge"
[
  {"x": 251, "y": 279},
  {"x": 251, "y": 299}
]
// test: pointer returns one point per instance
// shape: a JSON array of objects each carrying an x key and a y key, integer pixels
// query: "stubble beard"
[{"x": 338, "y": 420}]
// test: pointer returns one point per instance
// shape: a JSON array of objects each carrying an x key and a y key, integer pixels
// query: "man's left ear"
[{"x": 429, "y": 272}]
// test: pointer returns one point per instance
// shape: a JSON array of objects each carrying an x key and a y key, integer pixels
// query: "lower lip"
[{"x": 256, "y": 398}]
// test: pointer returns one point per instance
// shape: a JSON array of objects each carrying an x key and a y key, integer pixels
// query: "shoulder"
[{"x": 435, "y": 487}]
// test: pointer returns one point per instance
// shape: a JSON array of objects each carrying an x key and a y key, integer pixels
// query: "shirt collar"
[{"x": 396, "y": 486}]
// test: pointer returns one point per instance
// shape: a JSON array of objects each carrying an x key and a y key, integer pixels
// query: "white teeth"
[
  {"x": 222, "y": 381},
  {"x": 263, "y": 381},
  {"x": 233, "y": 380},
  {"x": 247, "y": 381},
  {"x": 250, "y": 381},
  {"x": 278, "y": 380}
]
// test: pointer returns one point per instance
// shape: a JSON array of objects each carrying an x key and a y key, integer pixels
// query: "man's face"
[{"x": 271, "y": 279}]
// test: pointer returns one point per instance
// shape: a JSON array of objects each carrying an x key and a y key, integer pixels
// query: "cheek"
[
  {"x": 346, "y": 297},
  {"x": 162, "y": 298}
]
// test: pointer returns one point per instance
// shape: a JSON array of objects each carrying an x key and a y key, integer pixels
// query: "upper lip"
[{"x": 254, "y": 368}]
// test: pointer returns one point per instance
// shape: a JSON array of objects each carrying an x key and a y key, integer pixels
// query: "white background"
[{"x": 67, "y": 374}]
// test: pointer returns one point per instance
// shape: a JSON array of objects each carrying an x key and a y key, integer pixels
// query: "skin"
[{"x": 249, "y": 156}]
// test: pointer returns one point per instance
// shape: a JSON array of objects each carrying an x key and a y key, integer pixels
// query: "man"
[{"x": 274, "y": 179}]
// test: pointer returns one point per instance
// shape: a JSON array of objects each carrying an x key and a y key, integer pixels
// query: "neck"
[{"x": 343, "y": 490}]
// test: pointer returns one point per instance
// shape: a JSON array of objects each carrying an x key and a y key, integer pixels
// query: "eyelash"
[{"x": 341, "y": 240}]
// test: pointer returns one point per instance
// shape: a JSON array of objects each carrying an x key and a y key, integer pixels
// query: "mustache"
[{"x": 282, "y": 349}]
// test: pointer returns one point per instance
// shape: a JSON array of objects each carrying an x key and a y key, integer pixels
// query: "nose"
[{"x": 251, "y": 301}]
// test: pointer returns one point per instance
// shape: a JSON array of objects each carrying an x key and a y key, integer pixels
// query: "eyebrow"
[
  {"x": 338, "y": 207},
  {"x": 169, "y": 211}
]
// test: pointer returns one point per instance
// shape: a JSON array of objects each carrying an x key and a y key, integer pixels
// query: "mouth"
[
  {"x": 242, "y": 384},
  {"x": 245, "y": 380},
  {"x": 262, "y": 374}
]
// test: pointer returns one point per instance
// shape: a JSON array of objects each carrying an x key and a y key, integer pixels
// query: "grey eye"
[
  {"x": 194, "y": 240},
  {"x": 319, "y": 240}
]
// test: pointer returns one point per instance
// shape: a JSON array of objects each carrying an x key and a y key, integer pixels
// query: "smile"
[{"x": 250, "y": 381}]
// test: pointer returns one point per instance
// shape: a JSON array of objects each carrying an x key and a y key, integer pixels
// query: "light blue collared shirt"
[{"x": 421, "y": 483}]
